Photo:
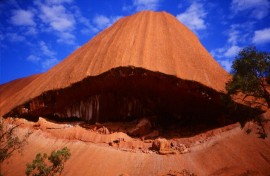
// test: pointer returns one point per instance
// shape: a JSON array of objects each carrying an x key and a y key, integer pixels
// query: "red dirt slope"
[{"x": 225, "y": 151}]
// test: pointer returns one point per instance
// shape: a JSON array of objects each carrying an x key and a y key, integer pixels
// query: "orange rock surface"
[{"x": 155, "y": 41}]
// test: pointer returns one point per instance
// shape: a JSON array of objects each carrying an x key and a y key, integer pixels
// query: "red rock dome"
[{"x": 146, "y": 61}]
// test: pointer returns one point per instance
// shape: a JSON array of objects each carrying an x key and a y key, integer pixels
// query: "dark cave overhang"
[{"x": 125, "y": 93}]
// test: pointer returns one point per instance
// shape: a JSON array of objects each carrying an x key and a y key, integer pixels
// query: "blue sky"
[{"x": 36, "y": 35}]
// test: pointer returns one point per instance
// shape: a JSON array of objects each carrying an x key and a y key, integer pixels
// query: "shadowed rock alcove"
[{"x": 125, "y": 94}]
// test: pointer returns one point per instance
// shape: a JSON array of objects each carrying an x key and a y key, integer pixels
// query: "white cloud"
[
  {"x": 98, "y": 23},
  {"x": 223, "y": 60},
  {"x": 87, "y": 27},
  {"x": 240, "y": 33},
  {"x": 58, "y": 1},
  {"x": 67, "y": 38},
  {"x": 261, "y": 36},
  {"x": 22, "y": 18},
  {"x": 226, "y": 64},
  {"x": 139, "y": 5},
  {"x": 44, "y": 56},
  {"x": 57, "y": 17},
  {"x": 25, "y": 20},
  {"x": 225, "y": 55},
  {"x": 227, "y": 51},
  {"x": 127, "y": 7},
  {"x": 33, "y": 58},
  {"x": 232, "y": 51},
  {"x": 101, "y": 21},
  {"x": 31, "y": 31},
  {"x": 217, "y": 53},
  {"x": 2, "y": 36},
  {"x": 14, "y": 37},
  {"x": 48, "y": 63},
  {"x": 193, "y": 17},
  {"x": 258, "y": 8},
  {"x": 233, "y": 36},
  {"x": 45, "y": 50},
  {"x": 146, "y": 4},
  {"x": 89, "y": 30}
]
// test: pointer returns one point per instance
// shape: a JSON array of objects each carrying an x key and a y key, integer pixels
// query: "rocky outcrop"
[
  {"x": 103, "y": 130},
  {"x": 184, "y": 172},
  {"x": 145, "y": 64},
  {"x": 142, "y": 128},
  {"x": 125, "y": 94},
  {"x": 162, "y": 146},
  {"x": 152, "y": 135},
  {"x": 181, "y": 148}
]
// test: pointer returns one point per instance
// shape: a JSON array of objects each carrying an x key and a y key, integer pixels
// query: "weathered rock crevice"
[{"x": 126, "y": 93}]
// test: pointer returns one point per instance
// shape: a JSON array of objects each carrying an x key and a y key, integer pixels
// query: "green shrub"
[
  {"x": 44, "y": 165},
  {"x": 9, "y": 141}
]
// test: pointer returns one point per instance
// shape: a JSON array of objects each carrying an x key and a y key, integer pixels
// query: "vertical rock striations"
[{"x": 145, "y": 64}]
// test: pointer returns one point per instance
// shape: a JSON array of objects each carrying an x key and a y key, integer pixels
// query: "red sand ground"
[{"x": 223, "y": 151}]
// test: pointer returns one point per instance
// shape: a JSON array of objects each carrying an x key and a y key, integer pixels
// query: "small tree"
[
  {"x": 39, "y": 166},
  {"x": 10, "y": 142},
  {"x": 251, "y": 74}
]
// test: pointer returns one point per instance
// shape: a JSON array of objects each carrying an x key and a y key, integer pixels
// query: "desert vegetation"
[
  {"x": 10, "y": 143},
  {"x": 251, "y": 74},
  {"x": 40, "y": 167}
]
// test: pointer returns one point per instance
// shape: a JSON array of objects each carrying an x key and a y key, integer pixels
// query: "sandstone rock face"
[
  {"x": 103, "y": 130},
  {"x": 160, "y": 144},
  {"x": 164, "y": 147},
  {"x": 145, "y": 64},
  {"x": 178, "y": 173},
  {"x": 153, "y": 134},
  {"x": 181, "y": 148},
  {"x": 142, "y": 128}
]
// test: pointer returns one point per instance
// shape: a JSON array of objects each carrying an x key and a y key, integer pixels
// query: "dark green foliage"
[
  {"x": 40, "y": 165},
  {"x": 9, "y": 142},
  {"x": 251, "y": 74}
]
